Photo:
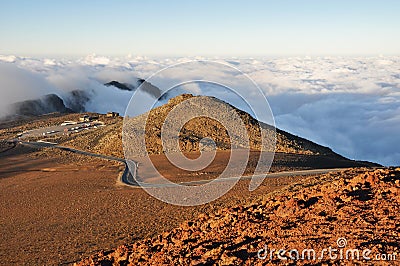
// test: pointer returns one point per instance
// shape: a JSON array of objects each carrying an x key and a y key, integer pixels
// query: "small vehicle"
[{"x": 67, "y": 123}]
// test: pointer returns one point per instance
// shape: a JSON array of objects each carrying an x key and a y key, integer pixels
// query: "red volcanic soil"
[
  {"x": 281, "y": 162},
  {"x": 59, "y": 209},
  {"x": 360, "y": 206}
]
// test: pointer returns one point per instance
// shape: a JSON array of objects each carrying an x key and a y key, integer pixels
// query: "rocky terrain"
[
  {"x": 198, "y": 128},
  {"x": 362, "y": 206},
  {"x": 47, "y": 104},
  {"x": 107, "y": 140},
  {"x": 58, "y": 207},
  {"x": 292, "y": 152},
  {"x": 56, "y": 195}
]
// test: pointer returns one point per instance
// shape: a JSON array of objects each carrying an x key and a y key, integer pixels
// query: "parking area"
[{"x": 66, "y": 128}]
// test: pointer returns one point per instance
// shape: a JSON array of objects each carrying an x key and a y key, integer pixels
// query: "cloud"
[
  {"x": 349, "y": 104},
  {"x": 106, "y": 99},
  {"x": 8, "y": 58},
  {"x": 18, "y": 84},
  {"x": 358, "y": 126},
  {"x": 94, "y": 60}
]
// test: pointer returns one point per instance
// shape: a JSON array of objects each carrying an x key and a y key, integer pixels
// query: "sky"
[{"x": 188, "y": 28}]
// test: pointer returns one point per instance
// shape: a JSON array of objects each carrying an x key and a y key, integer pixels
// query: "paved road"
[
  {"x": 278, "y": 174},
  {"x": 128, "y": 179},
  {"x": 44, "y": 144}
]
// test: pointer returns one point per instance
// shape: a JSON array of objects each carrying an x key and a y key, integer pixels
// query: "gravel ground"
[
  {"x": 60, "y": 209},
  {"x": 356, "y": 209}
]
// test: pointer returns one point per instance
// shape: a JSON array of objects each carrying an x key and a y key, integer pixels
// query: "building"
[
  {"x": 85, "y": 118},
  {"x": 112, "y": 114}
]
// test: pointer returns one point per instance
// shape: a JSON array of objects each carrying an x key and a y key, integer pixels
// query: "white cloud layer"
[{"x": 349, "y": 104}]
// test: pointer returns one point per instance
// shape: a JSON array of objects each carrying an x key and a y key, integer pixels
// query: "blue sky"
[{"x": 181, "y": 28}]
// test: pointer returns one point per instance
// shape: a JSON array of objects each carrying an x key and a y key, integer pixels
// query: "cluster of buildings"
[{"x": 87, "y": 118}]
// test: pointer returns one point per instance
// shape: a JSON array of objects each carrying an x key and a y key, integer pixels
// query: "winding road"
[
  {"x": 128, "y": 179},
  {"x": 270, "y": 175}
]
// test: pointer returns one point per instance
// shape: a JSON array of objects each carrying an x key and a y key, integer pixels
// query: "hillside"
[
  {"x": 358, "y": 205},
  {"x": 111, "y": 215},
  {"x": 201, "y": 127},
  {"x": 108, "y": 139},
  {"x": 291, "y": 152}
]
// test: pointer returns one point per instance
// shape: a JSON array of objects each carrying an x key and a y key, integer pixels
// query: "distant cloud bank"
[{"x": 349, "y": 104}]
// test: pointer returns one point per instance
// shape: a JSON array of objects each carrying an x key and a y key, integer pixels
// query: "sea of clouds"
[{"x": 351, "y": 104}]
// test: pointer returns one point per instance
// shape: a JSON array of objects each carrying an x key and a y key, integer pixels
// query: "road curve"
[{"x": 128, "y": 179}]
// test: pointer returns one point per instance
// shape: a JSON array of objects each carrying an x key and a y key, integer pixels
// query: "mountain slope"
[
  {"x": 201, "y": 127},
  {"x": 358, "y": 205},
  {"x": 76, "y": 100},
  {"x": 108, "y": 139},
  {"x": 46, "y": 104}
]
